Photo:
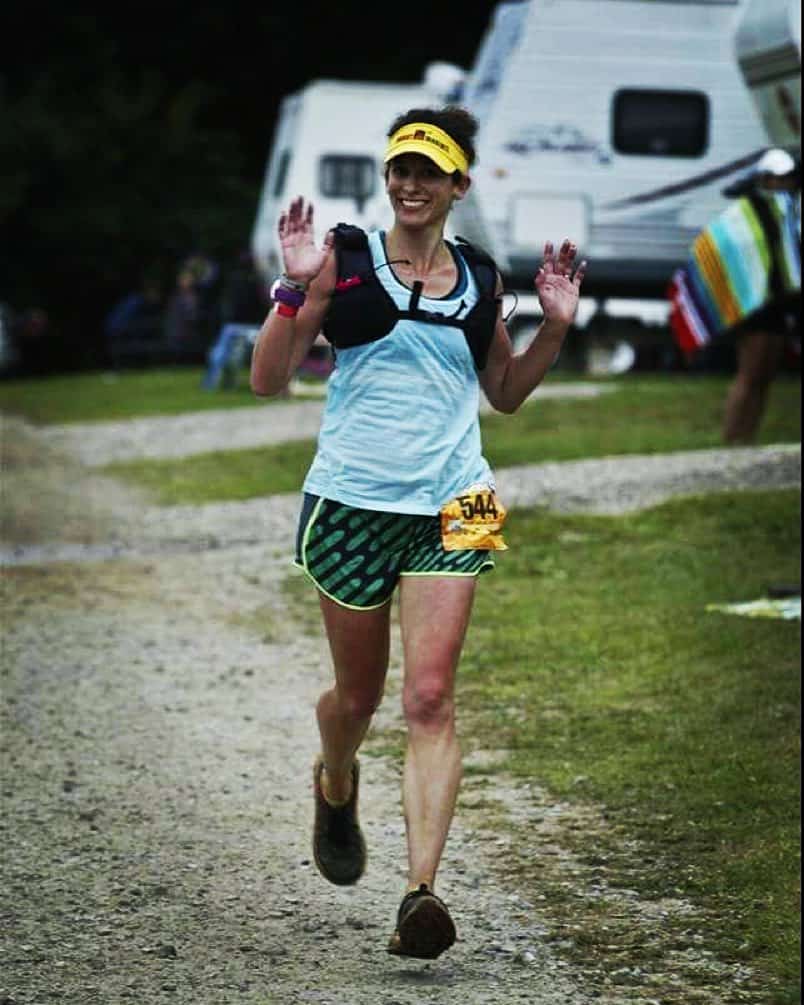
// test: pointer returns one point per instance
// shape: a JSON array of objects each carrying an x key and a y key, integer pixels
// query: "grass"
[
  {"x": 99, "y": 396},
  {"x": 108, "y": 395},
  {"x": 593, "y": 662},
  {"x": 128, "y": 394},
  {"x": 221, "y": 475},
  {"x": 644, "y": 415}
]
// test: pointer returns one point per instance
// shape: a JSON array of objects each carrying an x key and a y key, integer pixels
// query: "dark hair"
[{"x": 453, "y": 119}]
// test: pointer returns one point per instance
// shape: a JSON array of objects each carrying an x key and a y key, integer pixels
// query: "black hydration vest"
[{"x": 362, "y": 310}]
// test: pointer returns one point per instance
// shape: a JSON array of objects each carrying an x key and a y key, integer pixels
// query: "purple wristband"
[{"x": 282, "y": 295}]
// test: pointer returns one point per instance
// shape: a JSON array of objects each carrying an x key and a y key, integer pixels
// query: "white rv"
[
  {"x": 614, "y": 122},
  {"x": 328, "y": 146},
  {"x": 768, "y": 47}
]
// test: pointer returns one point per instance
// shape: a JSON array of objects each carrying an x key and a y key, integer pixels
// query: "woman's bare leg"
[
  {"x": 758, "y": 357},
  {"x": 434, "y": 615},
  {"x": 359, "y": 642}
]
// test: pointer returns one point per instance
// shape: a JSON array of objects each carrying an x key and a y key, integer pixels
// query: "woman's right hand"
[{"x": 303, "y": 260}]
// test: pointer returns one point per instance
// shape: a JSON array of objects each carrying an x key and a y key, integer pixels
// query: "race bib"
[{"x": 473, "y": 519}]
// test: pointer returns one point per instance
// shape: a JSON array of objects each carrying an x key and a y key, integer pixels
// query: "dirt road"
[{"x": 157, "y": 740}]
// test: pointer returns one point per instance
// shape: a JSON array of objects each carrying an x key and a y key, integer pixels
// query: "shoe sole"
[
  {"x": 348, "y": 880},
  {"x": 426, "y": 932}
]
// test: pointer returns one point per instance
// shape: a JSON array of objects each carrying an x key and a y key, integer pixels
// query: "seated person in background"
[
  {"x": 244, "y": 304},
  {"x": 135, "y": 318}
]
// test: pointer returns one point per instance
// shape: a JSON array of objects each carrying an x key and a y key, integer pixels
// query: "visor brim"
[{"x": 440, "y": 159}]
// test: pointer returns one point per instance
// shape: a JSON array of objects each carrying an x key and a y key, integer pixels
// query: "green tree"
[{"x": 109, "y": 173}]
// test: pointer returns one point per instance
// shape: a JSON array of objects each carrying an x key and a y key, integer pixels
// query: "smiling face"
[{"x": 420, "y": 192}]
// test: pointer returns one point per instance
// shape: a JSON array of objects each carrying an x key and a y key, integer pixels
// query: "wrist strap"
[
  {"x": 285, "y": 310},
  {"x": 293, "y": 298},
  {"x": 292, "y": 284}
]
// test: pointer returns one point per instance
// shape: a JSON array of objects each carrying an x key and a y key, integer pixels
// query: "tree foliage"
[
  {"x": 131, "y": 138},
  {"x": 110, "y": 174}
]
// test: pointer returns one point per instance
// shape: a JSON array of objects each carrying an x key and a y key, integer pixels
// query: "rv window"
[
  {"x": 281, "y": 173},
  {"x": 660, "y": 123},
  {"x": 347, "y": 177}
]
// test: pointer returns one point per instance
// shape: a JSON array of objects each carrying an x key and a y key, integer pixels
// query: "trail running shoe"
[
  {"x": 424, "y": 928},
  {"x": 338, "y": 846}
]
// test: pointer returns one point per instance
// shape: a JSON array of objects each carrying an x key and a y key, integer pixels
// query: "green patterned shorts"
[{"x": 356, "y": 556}]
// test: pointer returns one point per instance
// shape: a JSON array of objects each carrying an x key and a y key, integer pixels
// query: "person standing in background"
[
  {"x": 743, "y": 281},
  {"x": 762, "y": 337}
]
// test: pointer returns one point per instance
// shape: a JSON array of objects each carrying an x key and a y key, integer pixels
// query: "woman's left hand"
[{"x": 558, "y": 283}]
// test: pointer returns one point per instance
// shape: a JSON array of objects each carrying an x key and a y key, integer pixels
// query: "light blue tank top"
[{"x": 400, "y": 430}]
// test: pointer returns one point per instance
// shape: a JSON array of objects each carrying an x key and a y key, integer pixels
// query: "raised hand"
[
  {"x": 558, "y": 283},
  {"x": 303, "y": 260}
]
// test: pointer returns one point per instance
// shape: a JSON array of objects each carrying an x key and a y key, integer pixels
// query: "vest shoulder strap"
[
  {"x": 481, "y": 264},
  {"x": 352, "y": 254}
]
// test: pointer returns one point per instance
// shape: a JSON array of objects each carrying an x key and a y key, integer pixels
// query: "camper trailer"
[
  {"x": 614, "y": 122},
  {"x": 768, "y": 49},
  {"x": 328, "y": 146}
]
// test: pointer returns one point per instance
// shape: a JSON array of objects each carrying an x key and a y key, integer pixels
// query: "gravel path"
[
  {"x": 98, "y": 443},
  {"x": 157, "y": 736}
]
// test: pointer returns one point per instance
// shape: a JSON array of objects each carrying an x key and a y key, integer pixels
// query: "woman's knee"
[
  {"x": 428, "y": 703},
  {"x": 358, "y": 703}
]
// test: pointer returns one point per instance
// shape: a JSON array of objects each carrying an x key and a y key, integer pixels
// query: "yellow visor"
[{"x": 432, "y": 142}]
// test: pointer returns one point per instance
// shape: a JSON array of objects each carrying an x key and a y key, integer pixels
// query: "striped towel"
[{"x": 748, "y": 257}]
